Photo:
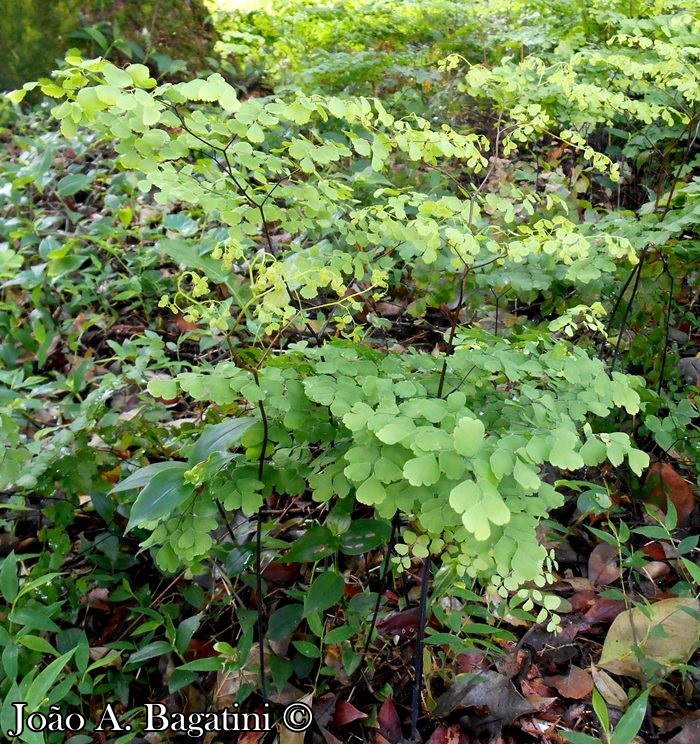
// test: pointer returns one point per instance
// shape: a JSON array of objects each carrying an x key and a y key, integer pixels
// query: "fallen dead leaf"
[
  {"x": 666, "y": 484},
  {"x": 229, "y": 683},
  {"x": 346, "y": 713},
  {"x": 577, "y": 684},
  {"x": 294, "y": 737},
  {"x": 401, "y": 625},
  {"x": 655, "y": 570},
  {"x": 689, "y": 733},
  {"x": 389, "y": 722},
  {"x": 669, "y": 636},
  {"x": 603, "y": 567},
  {"x": 448, "y": 735},
  {"x": 611, "y": 691},
  {"x": 497, "y": 701}
]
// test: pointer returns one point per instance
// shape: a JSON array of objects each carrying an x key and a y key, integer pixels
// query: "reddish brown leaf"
[
  {"x": 250, "y": 737},
  {"x": 603, "y": 567},
  {"x": 448, "y": 735},
  {"x": 535, "y": 688},
  {"x": 199, "y": 649},
  {"x": 604, "y": 610},
  {"x": 654, "y": 550},
  {"x": 666, "y": 484},
  {"x": 582, "y": 601},
  {"x": 403, "y": 624},
  {"x": 389, "y": 722},
  {"x": 471, "y": 662},
  {"x": 282, "y": 574},
  {"x": 537, "y": 727},
  {"x": 346, "y": 713},
  {"x": 577, "y": 684}
]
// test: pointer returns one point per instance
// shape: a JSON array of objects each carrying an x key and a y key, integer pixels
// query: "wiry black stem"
[
  {"x": 420, "y": 637},
  {"x": 667, "y": 326},
  {"x": 258, "y": 550},
  {"x": 382, "y": 584},
  {"x": 618, "y": 302},
  {"x": 625, "y": 315}
]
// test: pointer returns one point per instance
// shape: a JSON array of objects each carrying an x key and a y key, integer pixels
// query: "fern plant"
[{"x": 312, "y": 230}]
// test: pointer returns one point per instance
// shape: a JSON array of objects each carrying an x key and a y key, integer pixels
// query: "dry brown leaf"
[
  {"x": 294, "y": 737},
  {"x": 666, "y": 484},
  {"x": 668, "y": 635},
  {"x": 346, "y": 713},
  {"x": 577, "y": 684},
  {"x": 612, "y": 692},
  {"x": 448, "y": 735},
  {"x": 689, "y": 733},
  {"x": 486, "y": 690},
  {"x": 603, "y": 567},
  {"x": 389, "y": 722}
]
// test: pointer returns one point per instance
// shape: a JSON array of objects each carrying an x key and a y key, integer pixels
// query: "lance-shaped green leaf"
[{"x": 163, "y": 494}]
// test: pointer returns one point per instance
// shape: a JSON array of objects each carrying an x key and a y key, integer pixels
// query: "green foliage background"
[{"x": 384, "y": 266}]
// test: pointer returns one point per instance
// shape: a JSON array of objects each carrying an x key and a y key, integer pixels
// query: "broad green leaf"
[
  {"x": 630, "y": 723},
  {"x": 396, "y": 431},
  {"x": 593, "y": 452},
  {"x": 44, "y": 681},
  {"x": 638, "y": 460},
  {"x": 576, "y": 737},
  {"x": 185, "y": 630},
  {"x": 364, "y": 535},
  {"x": 468, "y": 436},
  {"x": 209, "y": 664},
  {"x": 501, "y": 462},
  {"x": 9, "y": 581},
  {"x": 315, "y": 544},
  {"x": 142, "y": 476},
  {"x": 563, "y": 452},
  {"x": 218, "y": 437},
  {"x": 284, "y": 621},
  {"x": 34, "y": 619},
  {"x": 73, "y": 183},
  {"x": 526, "y": 477},
  {"x": 325, "y": 591},
  {"x": 422, "y": 471},
  {"x": 307, "y": 649},
  {"x": 37, "y": 643},
  {"x": 157, "y": 648},
  {"x": 164, "y": 388},
  {"x": 163, "y": 494},
  {"x": 371, "y": 492},
  {"x": 465, "y": 496}
]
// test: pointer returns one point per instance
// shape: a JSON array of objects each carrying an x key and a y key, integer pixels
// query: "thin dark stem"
[
  {"x": 382, "y": 584},
  {"x": 625, "y": 315},
  {"x": 224, "y": 517},
  {"x": 258, "y": 547},
  {"x": 618, "y": 301},
  {"x": 420, "y": 637},
  {"x": 667, "y": 325}
]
